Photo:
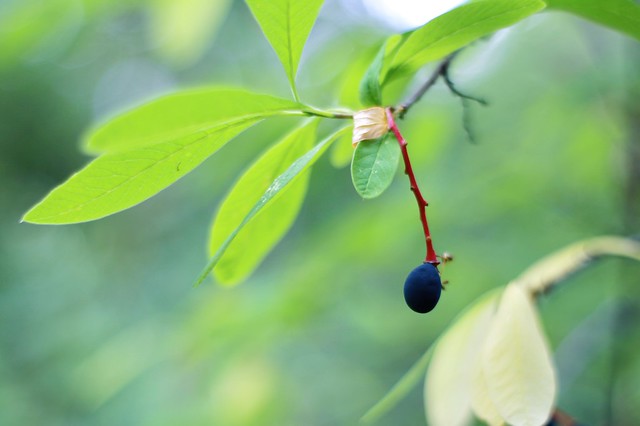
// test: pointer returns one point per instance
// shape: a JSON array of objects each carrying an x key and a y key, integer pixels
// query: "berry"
[{"x": 422, "y": 288}]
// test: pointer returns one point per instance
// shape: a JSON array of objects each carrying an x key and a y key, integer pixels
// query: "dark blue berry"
[{"x": 422, "y": 288}]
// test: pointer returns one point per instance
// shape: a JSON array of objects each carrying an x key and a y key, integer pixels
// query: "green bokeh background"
[{"x": 99, "y": 324}]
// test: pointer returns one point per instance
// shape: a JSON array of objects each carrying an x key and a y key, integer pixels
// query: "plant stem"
[
  {"x": 326, "y": 114},
  {"x": 422, "y": 203}
]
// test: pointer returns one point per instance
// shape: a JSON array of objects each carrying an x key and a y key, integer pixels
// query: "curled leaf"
[{"x": 370, "y": 123}]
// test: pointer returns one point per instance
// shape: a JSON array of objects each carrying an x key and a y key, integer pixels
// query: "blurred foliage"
[{"x": 99, "y": 323}]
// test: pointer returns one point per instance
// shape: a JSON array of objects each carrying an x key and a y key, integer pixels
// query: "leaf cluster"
[{"x": 145, "y": 150}]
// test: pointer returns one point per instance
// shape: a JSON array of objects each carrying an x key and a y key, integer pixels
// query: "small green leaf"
[
  {"x": 374, "y": 165},
  {"x": 370, "y": 85},
  {"x": 342, "y": 151},
  {"x": 370, "y": 89},
  {"x": 117, "y": 181},
  {"x": 180, "y": 114},
  {"x": 286, "y": 24},
  {"x": 455, "y": 29},
  {"x": 259, "y": 236},
  {"x": 293, "y": 173},
  {"x": 621, "y": 15}
]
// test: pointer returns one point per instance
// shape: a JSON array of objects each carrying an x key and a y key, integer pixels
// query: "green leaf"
[
  {"x": 455, "y": 29},
  {"x": 621, "y": 15},
  {"x": 259, "y": 236},
  {"x": 370, "y": 85},
  {"x": 117, "y": 181},
  {"x": 374, "y": 165},
  {"x": 180, "y": 114},
  {"x": 286, "y": 24},
  {"x": 293, "y": 173},
  {"x": 370, "y": 89}
]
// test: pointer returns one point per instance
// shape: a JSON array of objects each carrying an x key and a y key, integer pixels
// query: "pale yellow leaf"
[
  {"x": 516, "y": 362},
  {"x": 482, "y": 405},
  {"x": 449, "y": 377}
]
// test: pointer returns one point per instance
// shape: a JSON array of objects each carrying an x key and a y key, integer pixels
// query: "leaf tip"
[
  {"x": 203, "y": 276},
  {"x": 28, "y": 217}
]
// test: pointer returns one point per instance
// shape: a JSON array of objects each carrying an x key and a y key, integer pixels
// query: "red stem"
[{"x": 431, "y": 257}]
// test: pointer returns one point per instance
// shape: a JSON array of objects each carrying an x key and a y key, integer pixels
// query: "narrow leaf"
[
  {"x": 286, "y": 24},
  {"x": 259, "y": 236},
  {"x": 455, "y": 29},
  {"x": 516, "y": 361},
  {"x": 371, "y": 84},
  {"x": 293, "y": 173},
  {"x": 374, "y": 165},
  {"x": 370, "y": 89},
  {"x": 117, "y": 181},
  {"x": 448, "y": 384},
  {"x": 181, "y": 114},
  {"x": 620, "y": 15}
]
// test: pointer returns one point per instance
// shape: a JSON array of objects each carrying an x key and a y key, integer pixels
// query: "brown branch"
[{"x": 440, "y": 70}]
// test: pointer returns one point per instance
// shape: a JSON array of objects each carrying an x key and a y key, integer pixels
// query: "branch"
[
  {"x": 543, "y": 275},
  {"x": 464, "y": 98},
  {"x": 455, "y": 91},
  {"x": 440, "y": 70}
]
